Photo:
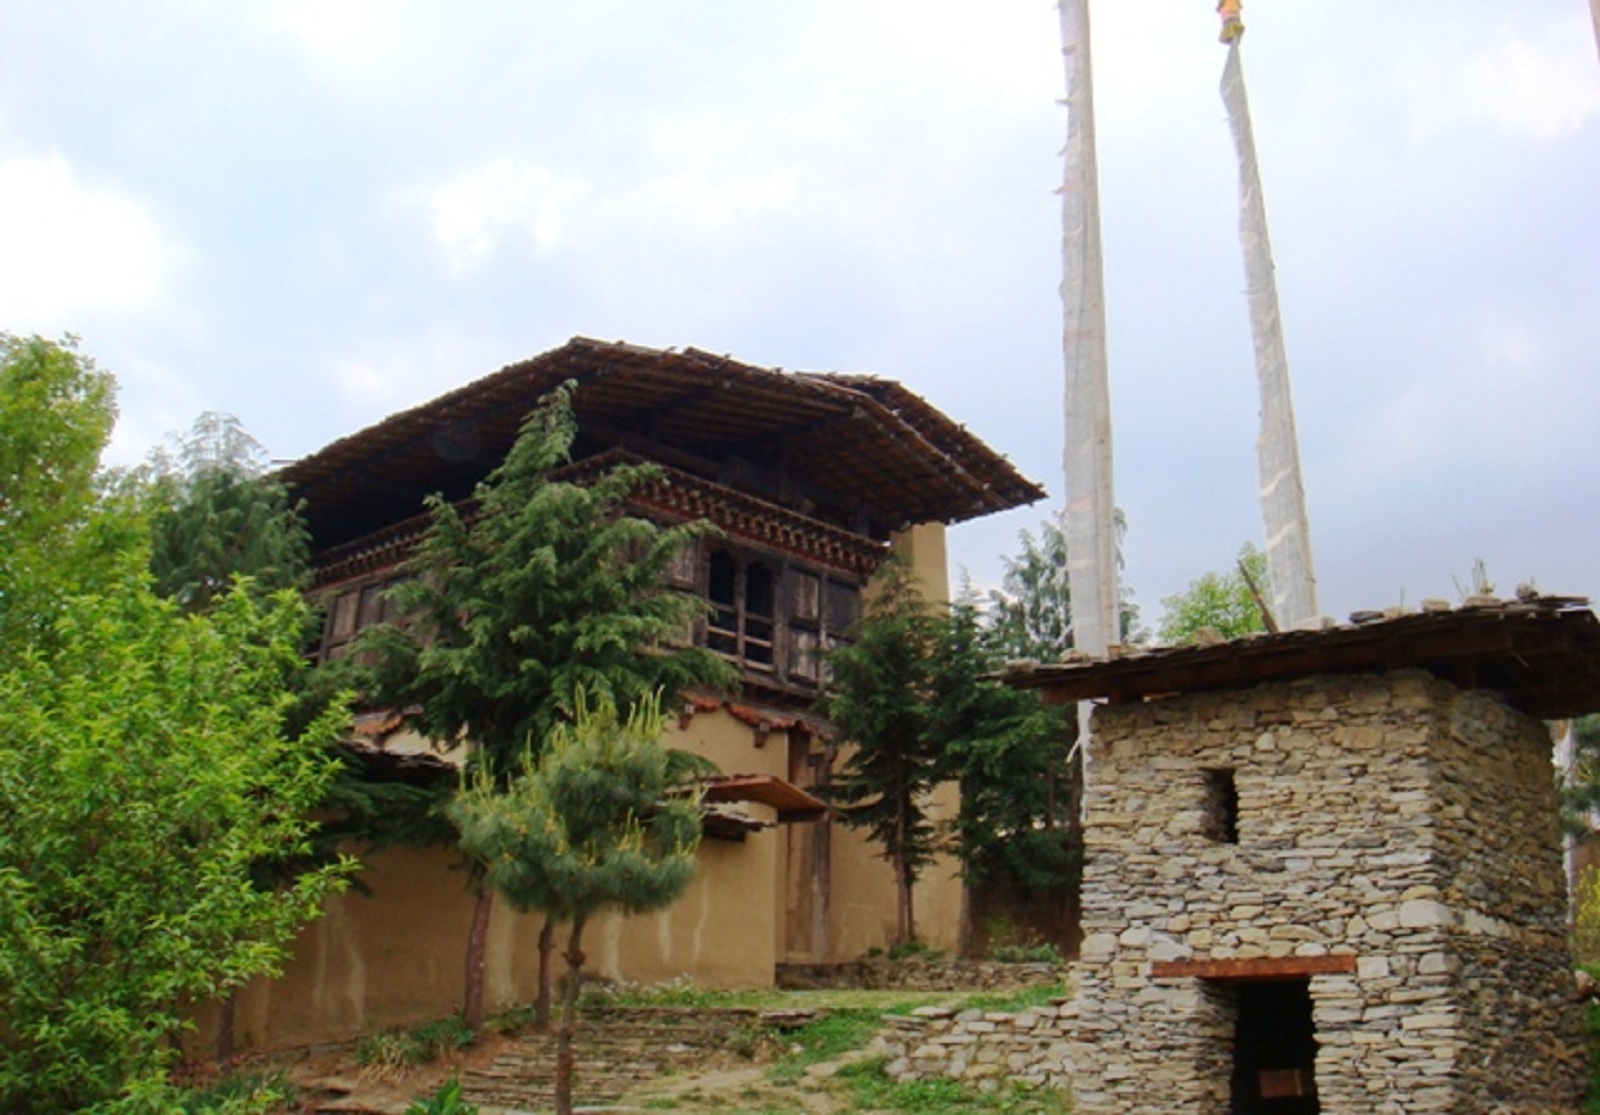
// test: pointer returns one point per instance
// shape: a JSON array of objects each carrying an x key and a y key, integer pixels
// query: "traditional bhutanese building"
[{"x": 812, "y": 480}]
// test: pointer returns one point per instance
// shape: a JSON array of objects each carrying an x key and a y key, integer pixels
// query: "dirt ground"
[{"x": 330, "y": 1082}]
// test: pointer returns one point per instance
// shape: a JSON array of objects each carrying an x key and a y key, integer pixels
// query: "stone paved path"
[{"x": 617, "y": 1050}]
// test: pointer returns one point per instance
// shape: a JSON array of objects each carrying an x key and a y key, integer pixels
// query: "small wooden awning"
[{"x": 791, "y": 802}]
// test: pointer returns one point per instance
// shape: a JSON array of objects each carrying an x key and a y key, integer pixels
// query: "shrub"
[
  {"x": 446, "y": 1101},
  {"x": 394, "y": 1052},
  {"x": 1586, "y": 917},
  {"x": 1045, "y": 953}
]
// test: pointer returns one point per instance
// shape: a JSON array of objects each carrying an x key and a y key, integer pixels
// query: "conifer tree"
[
  {"x": 1010, "y": 753},
  {"x": 539, "y": 590},
  {"x": 881, "y": 700},
  {"x": 585, "y": 828},
  {"x": 221, "y": 516}
]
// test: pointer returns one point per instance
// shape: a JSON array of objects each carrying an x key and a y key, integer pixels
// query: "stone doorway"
[{"x": 1274, "y": 1048}]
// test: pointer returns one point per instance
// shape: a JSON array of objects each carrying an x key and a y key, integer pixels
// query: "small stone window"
[{"x": 1221, "y": 806}]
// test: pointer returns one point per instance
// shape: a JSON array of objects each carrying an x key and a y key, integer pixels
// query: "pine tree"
[
  {"x": 585, "y": 828},
  {"x": 540, "y": 590}
]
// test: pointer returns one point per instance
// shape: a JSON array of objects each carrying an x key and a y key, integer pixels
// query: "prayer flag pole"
[
  {"x": 1283, "y": 500},
  {"x": 1089, "y": 517}
]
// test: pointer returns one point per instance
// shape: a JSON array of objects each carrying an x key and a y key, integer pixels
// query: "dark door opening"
[{"x": 1274, "y": 1050}]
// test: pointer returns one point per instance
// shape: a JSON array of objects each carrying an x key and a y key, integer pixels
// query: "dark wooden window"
[
  {"x": 1221, "y": 807},
  {"x": 353, "y": 609},
  {"x": 742, "y": 593},
  {"x": 773, "y": 618}
]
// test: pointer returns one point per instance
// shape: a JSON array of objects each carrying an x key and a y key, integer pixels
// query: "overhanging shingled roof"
[
  {"x": 869, "y": 440},
  {"x": 1542, "y": 655}
]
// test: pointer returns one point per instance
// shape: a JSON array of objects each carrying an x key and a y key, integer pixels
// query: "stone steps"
[{"x": 617, "y": 1050}]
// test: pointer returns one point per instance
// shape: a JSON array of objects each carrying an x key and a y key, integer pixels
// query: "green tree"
[
  {"x": 221, "y": 516},
  {"x": 1580, "y": 782},
  {"x": 1030, "y": 615},
  {"x": 1021, "y": 776},
  {"x": 881, "y": 698},
  {"x": 542, "y": 590},
  {"x": 1223, "y": 603},
  {"x": 56, "y": 414},
  {"x": 585, "y": 828},
  {"x": 217, "y": 516},
  {"x": 146, "y": 772},
  {"x": 1017, "y": 828}
]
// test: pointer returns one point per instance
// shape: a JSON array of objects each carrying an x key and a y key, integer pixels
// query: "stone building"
[
  {"x": 812, "y": 480},
  {"x": 1324, "y": 869}
]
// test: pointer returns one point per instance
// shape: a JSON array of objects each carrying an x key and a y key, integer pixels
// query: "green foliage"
[
  {"x": 446, "y": 1101},
  {"x": 1031, "y": 613},
  {"x": 872, "y": 1089},
  {"x": 249, "y": 1093},
  {"x": 219, "y": 516},
  {"x": 882, "y": 700},
  {"x": 915, "y": 950},
  {"x": 1219, "y": 602},
  {"x": 834, "y": 1034},
  {"x": 548, "y": 590},
  {"x": 919, "y": 680},
  {"x": 142, "y": 783},
  {"x": 1580, "y": 782},
  {"x": 394, "y": 1051},
  {"x": 239, "y": 1094},
  {"x": 1016, "y": 827},
  {"x": 58, "y": 533},
  {"x": 1591, "y": 1035},
  {"x": 1019, "y": 1000},
  {"x": 587, "y": 826},
  {"x": 1026, "y": 954},
  {"x": 1586, "y": 917},
  {"x": 146, "y": 770}
]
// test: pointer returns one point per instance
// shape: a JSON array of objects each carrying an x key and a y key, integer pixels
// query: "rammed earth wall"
[{"x": 1394, "y": 827}]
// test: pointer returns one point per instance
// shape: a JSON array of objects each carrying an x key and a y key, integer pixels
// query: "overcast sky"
[{"x": 312, "y": 213}]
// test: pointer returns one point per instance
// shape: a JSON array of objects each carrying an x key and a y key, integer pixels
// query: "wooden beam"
[{"x": 1262, "y": 967}]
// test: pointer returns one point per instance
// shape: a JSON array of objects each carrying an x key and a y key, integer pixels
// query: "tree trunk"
[
  {"x": 569, "y": 1019},
  {"x": 547, "y": 948},
  {"x": 907, "y": 920},
  {"x": 477, "y": 950},
  {"x": 225, "y": 1019},
  {"x": 905, "y": 926},
  {"x": 964, "y": 942}
]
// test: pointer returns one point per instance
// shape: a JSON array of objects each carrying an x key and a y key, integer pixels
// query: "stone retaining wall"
[
  {"x": 918, "y": 975},
  {"x": 1028, "y": 1046}
]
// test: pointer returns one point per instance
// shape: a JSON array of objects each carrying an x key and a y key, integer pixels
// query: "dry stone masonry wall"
[
  {"x": 881, "y": 974},
  {"x": 1390, "y": 841},
  {"x": 980, "y": 1047}
]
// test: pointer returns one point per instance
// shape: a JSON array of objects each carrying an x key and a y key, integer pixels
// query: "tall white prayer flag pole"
[
  {"x": 1091, "y": 547},
  {"x": 1283, "y": 500}
]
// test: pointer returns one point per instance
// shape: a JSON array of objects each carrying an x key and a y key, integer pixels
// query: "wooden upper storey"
[
  {"x": 855, "y": 452},
  {"x": 805, "y": 476}
]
